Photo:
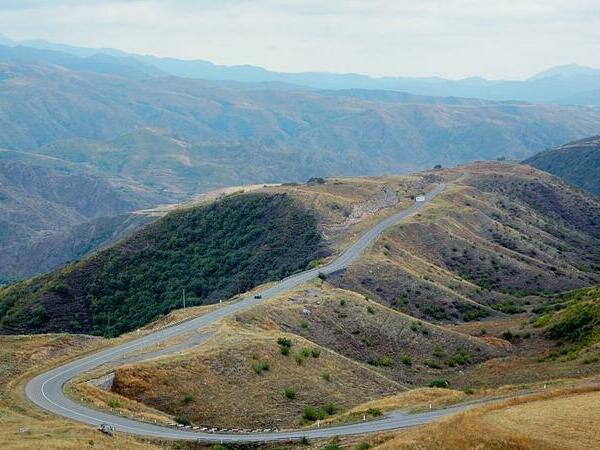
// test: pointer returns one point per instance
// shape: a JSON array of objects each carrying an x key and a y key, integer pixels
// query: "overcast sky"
[{"x": 507, "y": 39}]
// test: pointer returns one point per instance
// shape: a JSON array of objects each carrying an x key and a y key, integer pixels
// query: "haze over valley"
[{"x": 221, "y": 239}]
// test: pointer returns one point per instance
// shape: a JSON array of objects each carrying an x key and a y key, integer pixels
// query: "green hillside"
[{"x": 214, "y": 252}]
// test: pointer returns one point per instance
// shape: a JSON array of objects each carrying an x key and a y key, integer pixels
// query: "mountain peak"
[{"x": 565, "y": 71}]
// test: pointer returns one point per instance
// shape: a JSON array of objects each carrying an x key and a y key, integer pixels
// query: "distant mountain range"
[
  {"x": 577, "y": 162},
  {"x": 90, "y": 137},
  {"x": 567, "y": 84}
]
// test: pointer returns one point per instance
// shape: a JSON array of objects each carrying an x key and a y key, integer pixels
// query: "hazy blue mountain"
[{"x": 563, "y": 84}]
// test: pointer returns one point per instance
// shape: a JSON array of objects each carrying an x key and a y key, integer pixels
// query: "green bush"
[
  {"x": 188, "y": 399},
  {"x": 385, "y": 361},
  {"x": 312, "y": 414},
  {"x": 370, "y": 309},
  {"x": 460, "y": 357},
  {"x": 114, "y": 403},
  {"x": 285, "y": 351},
  {"x": 330, "y": 408},
  {"x": 183, "y": 420},
  {"x": 304, "y": 324},
  {"x": 326, "y": 376},
  {"x": 260, "y": 366},
  {"x": 406, "y": 360},
  {"x": 375, "y": 412},
  {"x": 284, "y": 342},
  {"x": 290, "y": 393},
  {"x": 439, "y": 383},
  {"x": 315, "y": 352},
  {"x": 363, "y": 446}
]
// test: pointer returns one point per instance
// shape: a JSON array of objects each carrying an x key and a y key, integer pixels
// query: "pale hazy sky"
[{"x": 450, "y": 38}]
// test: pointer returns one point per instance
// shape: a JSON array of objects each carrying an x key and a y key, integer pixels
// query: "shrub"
[
  {"x": 304, "y": 324},
  {"x": 305, "y": 352},
  {"x": 326, "y": 376},
  {"x": 370, "y": 309},
  {"x": 260, "y": 366},
  {"x": 342, "y": 302},
  {"x": 183, "y": 420},
  {"x": 311, "y": 414},
  {"x": 114, "y": 403},
  {"x": 330, "y": 408},
  {"x": 375, "y": 412},
  {"x": 406, "y": 360},
  {"x": 299, "y": 358},
  {"x": 432, "y": 364},
  {"x": 315, "y": 352},
  {"x": 284, "y": 342},
  {"x": 188, "y": 399},
  {"x": 385, "y": 361},
  {"x": 460, "y": 357},
  {"x": 591, "y": 359},
  {"x": 363, "y": 446},
  {"x": 439, "y": 352},
  {"x": 285, "y": 351},
  {"x": 290, "y": 393},
  {"x": 439, "y": 383}
]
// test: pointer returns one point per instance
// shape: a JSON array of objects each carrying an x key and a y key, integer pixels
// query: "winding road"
[{"x": 47, "y": 389}]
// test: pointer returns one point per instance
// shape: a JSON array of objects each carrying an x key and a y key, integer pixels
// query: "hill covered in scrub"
[
  {"x": 500, "y": 236},
  {"x": 577, "y": 162},
  {"x": 214, "y": 252}
]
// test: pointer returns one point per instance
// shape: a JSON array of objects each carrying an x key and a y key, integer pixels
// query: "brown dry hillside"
[
  {"x": 400, "y": 347},
  {"x": 498, "y": 235},
  {"x": 343, "y": 351},
  {"x": 240, "y": 378}
]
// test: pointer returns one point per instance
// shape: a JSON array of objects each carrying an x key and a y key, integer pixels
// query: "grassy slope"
[
  {"x": 501, "y": 233},
  {"x": 362, "y": 354},
  {"x": 24, "y": 427},
  {"x": 565, "y": 419},
  {"x": 213, "y": 252}
]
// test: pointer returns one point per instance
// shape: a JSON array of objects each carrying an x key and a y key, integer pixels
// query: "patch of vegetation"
[
  {"x": 460, "y": 357},
  {"x": 315, "y": 352},
  {"x": 213, "y": 252},
  {"x": 509, "y": 307},
  {"x": 114, "y": 403},
  {"x": 183, "y": 420},
  {"x": 576, "y": 321},
  {"x": 260, "y": 366},
  {"x": 289, "y": 393},
  {"x": 439, "y": 383},
  {"x": 188, "y": 399},
  {"x": 326, "y": 376},
  {"x": 406, "y": 360},
  {"x": 312, "y": 413},
  {"x": 285, "y": 345}
]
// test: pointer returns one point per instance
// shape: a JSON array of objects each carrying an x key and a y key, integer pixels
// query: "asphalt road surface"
[{"x": 47, "y": 389}]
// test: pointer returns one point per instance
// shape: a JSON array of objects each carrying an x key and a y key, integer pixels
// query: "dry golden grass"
[
  {"x": 564, "y": 419},
  {"x": 224, "y": 390},
  {"x": 22, "y": 426}
]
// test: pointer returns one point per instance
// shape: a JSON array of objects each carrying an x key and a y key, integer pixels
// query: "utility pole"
[{"x": 183, "y": 295}]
